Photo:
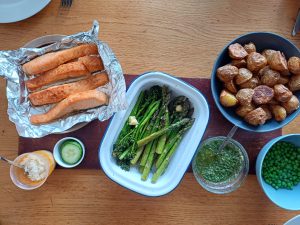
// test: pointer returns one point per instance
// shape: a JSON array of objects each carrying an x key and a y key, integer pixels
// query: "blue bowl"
[
  {"x": 287, "y": 199},
  {"x": 262, "y": 40}
]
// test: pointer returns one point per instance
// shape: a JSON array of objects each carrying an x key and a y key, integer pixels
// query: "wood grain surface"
[{"x": 182, "y": 38}]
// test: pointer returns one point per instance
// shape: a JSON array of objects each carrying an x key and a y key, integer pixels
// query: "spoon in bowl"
[
  {"x": 228, "y": 137},
  {"x": 213, "y": 156},
  {"x": 11, "y": 162}
]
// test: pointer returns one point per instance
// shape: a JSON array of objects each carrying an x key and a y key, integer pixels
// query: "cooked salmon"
[
  {"x": 73, "y": 103},
  {"x": 52, "y": 60},
  {"x": 83, "y": 67},
  {"x": 63, "y": 72},
  {"x": 92, "y": 63},
  {"x": 57, "y": 93}
]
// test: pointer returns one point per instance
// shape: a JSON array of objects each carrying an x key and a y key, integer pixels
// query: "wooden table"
[{"x": 178, "y": 37}]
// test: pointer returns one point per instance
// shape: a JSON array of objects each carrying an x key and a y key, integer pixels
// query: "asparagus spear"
[
  {"x": 162, "y": 156},
  {"x": 132, "y": 149},
  {"x": 146, "y": 153},
  {"x": 137, "y": 155},
  {"x": 164, "y": 164},
  {"x": 155, "y": 123},
  {"x": 165, "y": 119},
  {"x": 126, "y": 126},
  {"x": 163, "y": 131},
  {"x": 150, "y": 160}
]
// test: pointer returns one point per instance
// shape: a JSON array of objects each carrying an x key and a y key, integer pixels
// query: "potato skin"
[
  {"x": 243, "y": 110},
  {"x": 270, "y": 77},
  {"x": 227, "y": 99},
  {"x": 230, "y": 86},
  {"x": 227, "y": 72},
  {"x": 268, "y": 53},
  {"x": 236, "y": 51},
  {"x": 250, "y": 47},
  {"x": 278, "y": 62},
  {"x": 256, "y": 61},
  {"x": 256, "y": 117},
  {"x": 279, "y": 112},
  {"x": 243, "y": 76},
  {"x": 294, "y": 83},
  {"x": 262, "y": 71},
  {"x": 267, "y": 110},
  {"x": 262, "y": 94},
  {"x": 283, "y": 80},
  {"x": 282, "y": 93},
  {"x": 294, "y": 65},
  {"x": 239, "y": 63},
  {"x": 273, "y": 101},
  {"x": 244, "y": 96},
  {"x": 252, "y": 83},
  {"x": 291, "y": 105}
]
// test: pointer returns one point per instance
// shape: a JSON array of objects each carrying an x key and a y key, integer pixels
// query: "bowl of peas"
[{"x": 278, "y": 171}]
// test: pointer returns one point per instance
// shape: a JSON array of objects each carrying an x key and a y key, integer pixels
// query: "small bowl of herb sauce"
[{"x": 222, "y": 171}]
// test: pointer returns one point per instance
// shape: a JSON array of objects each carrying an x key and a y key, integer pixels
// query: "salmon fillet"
[
  {"x": 73, "y": 103},
  {"x": 83, "y": 67},
  {"x": 92, "y": 63},
  {"x": 52, "y": 60},
  {"x": 63, "y": 72},
  {"x": 57, "y": 93}
]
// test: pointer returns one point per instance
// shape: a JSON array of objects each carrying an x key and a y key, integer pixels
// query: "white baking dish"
[{"x": 183, "y": 155}]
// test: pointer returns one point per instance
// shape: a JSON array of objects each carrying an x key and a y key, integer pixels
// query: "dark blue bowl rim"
[{"x": 216, "y": 97}]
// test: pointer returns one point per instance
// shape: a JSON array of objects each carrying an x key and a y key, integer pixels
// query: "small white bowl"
[
  {"x": 57, "y": 156},
  {"x": 183, "y": 155}
]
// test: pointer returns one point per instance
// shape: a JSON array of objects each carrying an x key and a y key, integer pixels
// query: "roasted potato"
[
  {"x": 256, "y": 117},
  {"x": 227, "y": 99},
  {"x": 256, "y": 61},
  {"x": 268, "y": 53},
  {"x": 252, "y": 83},
  {"x": 282, "y": 93},
  {"x": 236, "y": 51},
  {"x": 270, "y": 77},
  {"x": 273, "y": 102},
  {"x": 279, "y": 112},
  {"x": 283, "y": 80},
  {"x": 294, "y": 65},
  {"x": 239, "y": 63},
  {"x": 278, "y": 62},
  {"x": 244, "y": 96},
  {"x": 294, "y": 83},
  {"x": 227, "y": 72},
  {"x": 250, "y": 47},
  {"x": 267, "y": 110},
  {"x": 243, "y": 76},
  {"x": 243, "y": 110},
  {"x": 262, "y": 94},
  {"x": 291, "y": 105},
  {"x": 230, "y": 86},
  {"x": 262, "y": 71}
]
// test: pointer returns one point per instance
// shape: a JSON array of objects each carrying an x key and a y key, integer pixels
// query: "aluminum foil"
[{"x": 19, "y": 107}]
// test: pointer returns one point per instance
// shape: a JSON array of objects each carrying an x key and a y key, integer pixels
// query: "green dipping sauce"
[{"x": 222, "y": 167}]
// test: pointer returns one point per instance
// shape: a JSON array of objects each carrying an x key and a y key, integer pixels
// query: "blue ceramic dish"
[
  {"x": 262, "y": 40},
  {"x": 287, "y": 199}
]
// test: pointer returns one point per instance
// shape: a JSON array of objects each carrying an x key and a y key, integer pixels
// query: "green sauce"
[{"x": 220, "y": 167}]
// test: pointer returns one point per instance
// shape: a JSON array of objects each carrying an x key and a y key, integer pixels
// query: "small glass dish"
[{"x": 233, "y": 182}]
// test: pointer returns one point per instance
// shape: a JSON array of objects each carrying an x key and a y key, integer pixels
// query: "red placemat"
[{"x": 92, "y": 133}]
